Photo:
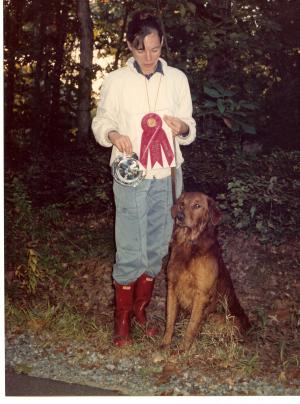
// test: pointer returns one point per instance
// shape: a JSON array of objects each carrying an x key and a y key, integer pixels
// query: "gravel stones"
[{"x": 79, "y": 363}]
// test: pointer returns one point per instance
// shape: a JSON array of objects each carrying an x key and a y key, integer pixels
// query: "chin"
[{"x": 149, "y": 67}]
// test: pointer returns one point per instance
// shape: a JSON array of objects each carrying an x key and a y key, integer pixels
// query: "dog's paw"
[
  {"x": 185, "y": 346},
  {"x": 165, "y": 343},
  {"x": 163, "y": 347}
]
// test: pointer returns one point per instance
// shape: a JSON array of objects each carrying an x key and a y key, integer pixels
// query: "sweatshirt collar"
[{"x": 159, "y": 69}]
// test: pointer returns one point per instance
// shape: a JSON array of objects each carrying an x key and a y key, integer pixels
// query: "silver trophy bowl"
[{"x": 128, "y": 171}]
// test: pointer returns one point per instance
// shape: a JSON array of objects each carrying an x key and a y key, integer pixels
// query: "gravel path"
[{"x": 79, "y": 363}]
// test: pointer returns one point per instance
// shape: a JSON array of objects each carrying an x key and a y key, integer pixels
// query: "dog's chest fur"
[{"x": 192, "y": 275}]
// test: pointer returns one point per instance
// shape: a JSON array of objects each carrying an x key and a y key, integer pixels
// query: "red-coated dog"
[{"x": 197, "y": 275}]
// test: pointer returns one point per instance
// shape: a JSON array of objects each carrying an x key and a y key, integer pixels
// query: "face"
[
  {"x": 147, "y": 58},
  {"x": 191, "y": 209}
]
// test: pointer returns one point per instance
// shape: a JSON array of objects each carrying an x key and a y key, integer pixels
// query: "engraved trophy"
[{"x": 128, "y": 171}]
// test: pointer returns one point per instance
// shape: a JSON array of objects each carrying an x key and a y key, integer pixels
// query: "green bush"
[{"x": 257, "y": 192}]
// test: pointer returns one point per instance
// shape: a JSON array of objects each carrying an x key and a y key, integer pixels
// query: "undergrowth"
[
  {"x": 44, "y": 242},
  {"x": 257, "y": 192}
]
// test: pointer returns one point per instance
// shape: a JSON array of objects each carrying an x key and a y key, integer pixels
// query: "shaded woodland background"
[{"x": 242, "y": 61}]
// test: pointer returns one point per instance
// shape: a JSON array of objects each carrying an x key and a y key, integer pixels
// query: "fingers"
[
  {"x": 122, "y": 142},
  {"x": 172, "y": 123},
  {"x": 176, "y": 125}
]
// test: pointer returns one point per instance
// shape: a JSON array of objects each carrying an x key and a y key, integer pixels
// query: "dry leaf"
[
  {"x": 293, "y": 374},
  {"x": 36, "y": 324},
  {"x": 168, "y": 371},
  {"x": 282, "y": 377},
  {"x": 157, "y": 357}
]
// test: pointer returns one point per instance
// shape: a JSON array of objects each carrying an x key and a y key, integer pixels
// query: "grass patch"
[{"x": 62, "y": 323}]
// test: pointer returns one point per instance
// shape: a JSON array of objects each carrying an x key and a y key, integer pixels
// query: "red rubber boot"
[
  {"x": 142, "y": 296},
  {"x": 123, "y": 313}
]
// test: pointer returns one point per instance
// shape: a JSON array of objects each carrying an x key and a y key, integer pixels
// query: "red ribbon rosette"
[{"x": 154, "y": 139}]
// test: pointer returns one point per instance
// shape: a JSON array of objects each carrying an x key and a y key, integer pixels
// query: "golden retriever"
[{"x": 196, "y": 274}]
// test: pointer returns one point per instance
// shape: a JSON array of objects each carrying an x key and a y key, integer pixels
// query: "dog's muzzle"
[{"x": 180, "y": 219}]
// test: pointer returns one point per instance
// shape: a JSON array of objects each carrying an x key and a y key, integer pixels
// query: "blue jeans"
[{"x": 143, "y": 227}]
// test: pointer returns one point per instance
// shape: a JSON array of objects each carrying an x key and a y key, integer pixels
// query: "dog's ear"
[
  {"x": 174, "y": 209},
  {"x": 214, "y": 213}
]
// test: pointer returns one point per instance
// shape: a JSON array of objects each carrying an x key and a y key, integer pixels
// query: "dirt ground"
[{"x": 267, "y": 281}]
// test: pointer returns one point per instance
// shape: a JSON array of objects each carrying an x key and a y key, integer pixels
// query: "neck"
[
  {"x": 143, "y": 71},
  {"x": 149, "y": 71}
]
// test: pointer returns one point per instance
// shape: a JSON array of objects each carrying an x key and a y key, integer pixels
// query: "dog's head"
[{"x": 195, "y": 210}]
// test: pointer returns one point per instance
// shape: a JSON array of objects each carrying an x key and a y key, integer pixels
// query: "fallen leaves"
[
  {"x": 290, "y": 376},
  {"x": 36, "y": 324},
  {"x": 157, "y": 357},
  {"x": 169, "y": 370},
  {"x": 261, "y": 275}
]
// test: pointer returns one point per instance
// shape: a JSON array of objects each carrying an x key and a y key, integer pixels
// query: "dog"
[{"x": 197, "y": 277}]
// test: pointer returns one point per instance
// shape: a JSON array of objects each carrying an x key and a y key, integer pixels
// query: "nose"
[
  {"x": 148, "y": 56},
  {"x": 180, "y": 216}
]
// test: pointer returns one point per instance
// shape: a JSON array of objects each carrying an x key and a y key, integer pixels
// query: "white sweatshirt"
[{"x": 124, "y": 102}]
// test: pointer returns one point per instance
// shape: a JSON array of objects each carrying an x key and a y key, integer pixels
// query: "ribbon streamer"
[{"x": 154, "y": 139}]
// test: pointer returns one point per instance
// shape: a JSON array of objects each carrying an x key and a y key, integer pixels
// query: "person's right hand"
[{"x": 122, "y": 142}]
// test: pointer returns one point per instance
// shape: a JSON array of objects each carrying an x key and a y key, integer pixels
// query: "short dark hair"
[{"x": 141, "y": 25}]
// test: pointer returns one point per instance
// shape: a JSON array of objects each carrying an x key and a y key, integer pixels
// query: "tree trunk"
[
  {"x": 85, "y": 70},
  {"x": 13, "y": 23},
  {"x": 120, "y": 44},
  {"x": 61, "y": 14},
  {"x": 39, "y": 57}
]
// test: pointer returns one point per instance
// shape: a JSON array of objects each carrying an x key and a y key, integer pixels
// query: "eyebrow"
[{"x": 155, "y": 47}]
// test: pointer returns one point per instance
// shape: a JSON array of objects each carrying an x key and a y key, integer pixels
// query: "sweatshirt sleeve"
[
  {"x": 106, "y": 118},
  {"x": 185, "y": 111}
]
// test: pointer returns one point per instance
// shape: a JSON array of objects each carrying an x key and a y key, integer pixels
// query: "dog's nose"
[{"x": 180, "y": 216}]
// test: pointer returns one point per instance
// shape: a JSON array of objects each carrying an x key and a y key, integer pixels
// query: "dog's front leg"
[
  {"x": 199, "y": 304},
  {"x": 172, "y": 307}
]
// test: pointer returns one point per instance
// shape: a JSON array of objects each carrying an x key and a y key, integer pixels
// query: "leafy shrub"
[
  {"x": 257, "y": 192},
  {"x": 26, "y": 232},
  {"x": 266, "y": 203},
  {"x": 18, "y": 219},
  {"x": 223, "y": 104},
  {"x": 30, "y": 275},
  {"x": 18, "y": 204}
]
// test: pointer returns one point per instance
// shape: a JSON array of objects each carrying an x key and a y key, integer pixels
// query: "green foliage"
[
  {"x": 21, "y": 231},
  {"x": 31, "y": 274},
  {"x": 248, "y": 366},
  {"x": 223, "y": 105},
  {"x": 18, "y": 219},
  {"x": 267, "y": 204},
  {"x": 242, "y": 68},
  {"x": 40, "y": 238},
  {"x": 19, "y": 204},
  {"x": 257, "y": 192},
  {"x": 250, "y": 49}
]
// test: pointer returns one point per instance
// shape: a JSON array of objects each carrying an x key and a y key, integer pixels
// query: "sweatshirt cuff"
[
  {"x": 107, "y": 139},
  {"x": 184, "y": 134}
]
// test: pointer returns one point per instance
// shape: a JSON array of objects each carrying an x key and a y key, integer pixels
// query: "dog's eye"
[{"x": 197, "y": 206}]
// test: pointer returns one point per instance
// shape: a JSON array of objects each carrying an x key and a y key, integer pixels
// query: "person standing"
[{"x": 143, "y": 107}]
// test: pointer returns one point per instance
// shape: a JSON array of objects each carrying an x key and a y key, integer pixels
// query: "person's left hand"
[{"x": 176, "y": 125}]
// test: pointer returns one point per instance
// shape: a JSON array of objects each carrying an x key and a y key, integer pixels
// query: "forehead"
[
  {"x": 151, "y": 41},
  {"x": 194, "y": 197}
]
